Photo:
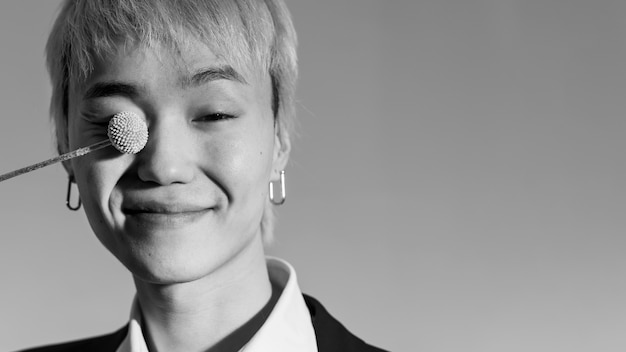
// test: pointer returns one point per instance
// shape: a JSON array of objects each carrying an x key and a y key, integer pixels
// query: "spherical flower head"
[{"x": 128, "y": 132}]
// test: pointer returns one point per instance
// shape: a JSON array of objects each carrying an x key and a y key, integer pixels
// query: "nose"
[{"x": 165, "y": 159}]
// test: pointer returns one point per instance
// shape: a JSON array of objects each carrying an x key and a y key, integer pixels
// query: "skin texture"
[{"x": 183, "y": 215}]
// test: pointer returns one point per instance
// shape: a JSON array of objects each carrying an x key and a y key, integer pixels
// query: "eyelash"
[{"x": 215, "y": 117}]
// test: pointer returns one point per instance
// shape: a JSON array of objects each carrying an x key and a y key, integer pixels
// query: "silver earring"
[
  {"x": 68, "y": 199},
  {"x": 283, "y": 193}
]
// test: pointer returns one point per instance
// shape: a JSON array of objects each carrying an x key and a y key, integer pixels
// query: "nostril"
[{"x": 164, "y": 172}]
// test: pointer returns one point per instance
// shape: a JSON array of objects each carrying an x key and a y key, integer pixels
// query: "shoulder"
[
  {"x": 331, "y": 334},
  {"x": 103, "y": 343}
]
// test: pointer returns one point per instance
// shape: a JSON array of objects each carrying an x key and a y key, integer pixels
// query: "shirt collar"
[{"x": 288, "y": 327}]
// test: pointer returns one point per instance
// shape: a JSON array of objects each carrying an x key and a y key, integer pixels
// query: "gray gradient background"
[{"x": 457, "y": 183}]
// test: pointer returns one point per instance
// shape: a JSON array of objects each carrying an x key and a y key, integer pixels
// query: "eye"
[
  {"x": 218, "y": 116},
  {"x": 95, "y": 125},
  {"x": 96, "y": 120}
]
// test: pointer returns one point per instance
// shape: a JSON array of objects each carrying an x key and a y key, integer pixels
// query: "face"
[{"x": 193, "y": 198}]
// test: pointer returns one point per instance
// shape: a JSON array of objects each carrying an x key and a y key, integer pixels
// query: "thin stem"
[{"x": 63, "y": 157}]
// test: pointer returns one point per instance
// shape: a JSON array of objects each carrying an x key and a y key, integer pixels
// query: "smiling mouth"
[
  {"x": 164, "y": 212},
  {"x": 164, "y": 216}
]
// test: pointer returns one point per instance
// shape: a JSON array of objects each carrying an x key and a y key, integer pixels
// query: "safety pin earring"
[
  {"x": 283, "y": 193},
  {"x": 68, "y": 199}
]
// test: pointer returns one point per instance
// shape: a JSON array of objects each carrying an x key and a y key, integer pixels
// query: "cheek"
[
  {"x": 97, "y": 172},
  {"x": 97, "y": 177},
  {"x": 245, "y": 160}
]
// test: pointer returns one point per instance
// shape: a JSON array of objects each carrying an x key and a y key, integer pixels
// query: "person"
[{"x": 189, "y": 215}]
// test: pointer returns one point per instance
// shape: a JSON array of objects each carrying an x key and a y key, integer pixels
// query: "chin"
[
  {"x": 172, "y": 262},
  {"x": 170, "y": 270}
]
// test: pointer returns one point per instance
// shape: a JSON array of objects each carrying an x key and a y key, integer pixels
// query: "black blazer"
[{"x": 331, "y": 336}]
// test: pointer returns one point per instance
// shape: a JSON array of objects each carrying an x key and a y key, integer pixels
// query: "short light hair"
[{"x": 253, "y": 35}]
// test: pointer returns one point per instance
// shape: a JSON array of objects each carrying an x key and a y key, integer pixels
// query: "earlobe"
[
  {"x": 67, "y": 165},
  {"x": 282, "y": 148}
]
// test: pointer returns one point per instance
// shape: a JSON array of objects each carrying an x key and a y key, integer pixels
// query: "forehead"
[
  {"x": 188, "y": 65},
  {"x": 182, "y": 58},
  {"x": 136, "y": 70}
]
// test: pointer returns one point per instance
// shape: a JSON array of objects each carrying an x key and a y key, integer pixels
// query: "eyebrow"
[
  {"x": 210, "y": 74},
  {"x": 112, "y": 88},
  {"x": 131, "y": 91}
]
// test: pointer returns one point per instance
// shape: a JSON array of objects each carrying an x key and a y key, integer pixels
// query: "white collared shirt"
[{"x": 288, "y": 327}]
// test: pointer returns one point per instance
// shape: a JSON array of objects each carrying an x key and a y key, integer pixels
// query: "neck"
[{"x": 194, "y": 316}]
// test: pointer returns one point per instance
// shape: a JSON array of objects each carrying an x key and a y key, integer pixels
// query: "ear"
[
  {"x": 62, "y": 127},
  {"x": 282, "y": 148},
  {"x": 67, "y": 165},
  {"x": 63, "y": 147}
]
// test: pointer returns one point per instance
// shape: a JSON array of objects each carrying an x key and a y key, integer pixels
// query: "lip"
[
  {"x": 164, "y": 214},
  {"x": 164, "y": 210},
  {"x": 168, "y": 205},
  {"x": 165, "y": 219}
]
